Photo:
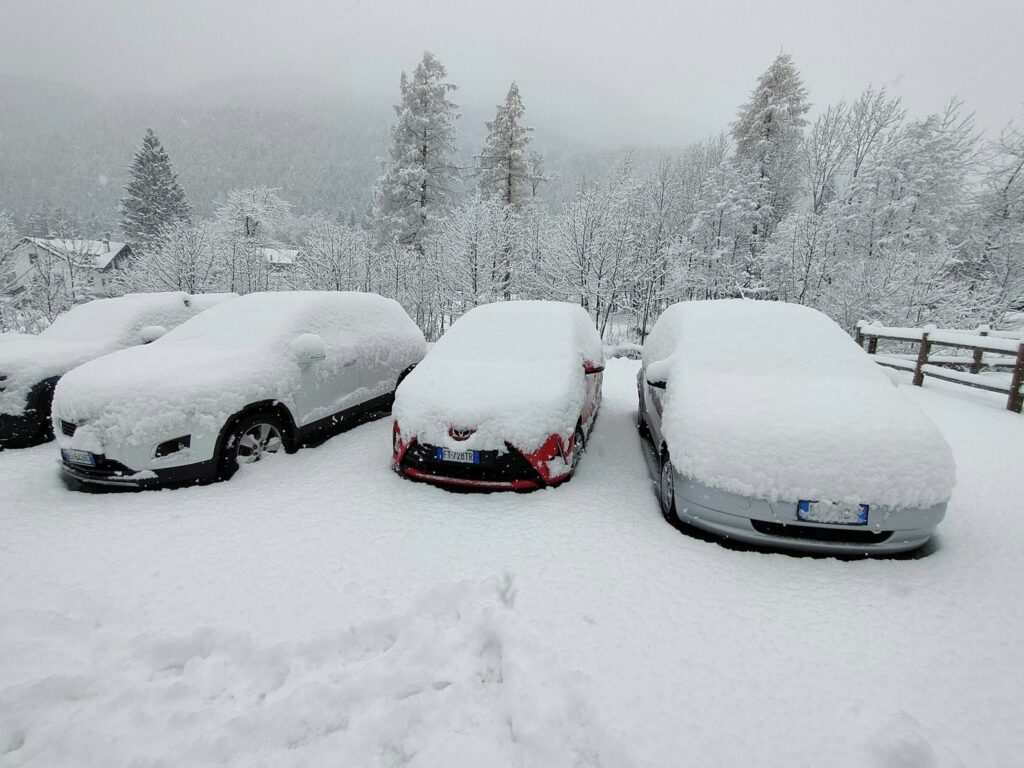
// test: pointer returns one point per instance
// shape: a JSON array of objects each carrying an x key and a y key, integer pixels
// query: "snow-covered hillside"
[{"x": 320, "y": 610}]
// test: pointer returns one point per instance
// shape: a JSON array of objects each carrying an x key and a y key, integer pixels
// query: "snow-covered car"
[
  {"x": 505, "y": 400},
  {"x": 260, "y": 374},
  {"x": 771, "y": 426},
  {"x": 31, "y": 365}
]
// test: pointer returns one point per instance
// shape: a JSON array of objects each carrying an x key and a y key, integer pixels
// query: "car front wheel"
[
  {"x": 667, "y": 489},
  {"x": 252, "y": 439}
]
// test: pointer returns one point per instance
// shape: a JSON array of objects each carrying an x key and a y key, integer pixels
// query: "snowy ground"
[{"x": 319, "y": 610}]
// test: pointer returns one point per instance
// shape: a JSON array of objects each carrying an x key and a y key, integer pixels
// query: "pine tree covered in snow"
[
  {"x": 768, "y": 132},
  {"x": 417, "y": 185},
  {"x": 504, "y": 166},
  {"x": 153, "y": 198}
]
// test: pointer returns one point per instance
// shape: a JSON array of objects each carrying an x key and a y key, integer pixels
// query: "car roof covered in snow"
[
  {"x": 776, "y": 401},
  {"x": 88, "y": 331},
  {"x": 527, "y": 329},
  {"x": 265, "y": 319}
]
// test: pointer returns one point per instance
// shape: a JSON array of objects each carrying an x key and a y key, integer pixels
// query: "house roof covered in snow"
[
  {"x": 102, "y": 252},
  {"x": 283, "y": 256}
]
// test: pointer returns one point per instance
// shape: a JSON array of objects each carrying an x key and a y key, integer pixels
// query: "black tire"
[
  {"x": 579, "y": 445},
  {"x": 666, "y": 489},
  {"x": 234, "y": 444},
  {"x": 641, "y": 424}
]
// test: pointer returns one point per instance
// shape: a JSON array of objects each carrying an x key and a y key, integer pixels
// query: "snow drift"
[
  {"x": 776, "y": 401},
  {"x": 511, "y": 370}
]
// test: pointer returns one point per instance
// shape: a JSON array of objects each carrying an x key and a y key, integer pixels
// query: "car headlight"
[{"x": 173, "y": 445}]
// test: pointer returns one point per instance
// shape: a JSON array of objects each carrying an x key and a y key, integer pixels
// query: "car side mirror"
[
  {"x": 591, "y": 367},
  {"x": 151, "y": 333},
  {"x": 657, "y": 375},
  {"x": 309, "y": 348}
]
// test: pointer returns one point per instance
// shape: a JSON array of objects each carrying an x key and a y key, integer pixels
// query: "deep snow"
[{"x": 318, "y": 609}]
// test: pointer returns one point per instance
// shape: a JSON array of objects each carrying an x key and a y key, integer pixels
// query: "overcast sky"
[{"x": 644, "y": 72}]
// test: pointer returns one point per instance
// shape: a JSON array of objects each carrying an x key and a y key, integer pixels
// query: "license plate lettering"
[
  {"x": 460, "y": 457},
  {"x": 833, "y": 513},
  {"x": 76, "y": 456}
]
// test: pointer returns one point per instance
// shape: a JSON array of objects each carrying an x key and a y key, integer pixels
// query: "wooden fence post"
[
  {"x": 922, "y": 359},
  {"x": 978, "y": 359},
  {"x": 860, "y": 334},
  {"x": 1015, "y": 400}
]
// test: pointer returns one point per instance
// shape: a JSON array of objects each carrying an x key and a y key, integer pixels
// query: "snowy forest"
[{"x": 863, "y": 212}]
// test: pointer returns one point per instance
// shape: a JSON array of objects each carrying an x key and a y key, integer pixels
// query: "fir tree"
[
  {"x": 153, "y": 198},
  {"x": 417, "y": 183},
  {"x": 504, "y": 169},
  {"x": 768, "y": 132}
]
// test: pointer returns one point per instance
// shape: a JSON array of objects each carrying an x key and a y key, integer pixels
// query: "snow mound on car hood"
[
  {"x": 776, "y": 401},
  {"x": 86, "y": 332},
  {"x": 232, "y": 355},
  {"x": 513, "y": 371}
]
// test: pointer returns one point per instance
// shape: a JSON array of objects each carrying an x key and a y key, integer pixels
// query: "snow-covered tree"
[
  {"x": 768, "y": 133},
  {"x": 335, "y": 257},
  {"x": 246, "y": 224},
  {"x": 153, "y": 197},
  {"x": 503, "y": 168},
  {"x": 997, "y": 273},
  {"x": 183, "y": 257},
  {"x": 417, "y": 185}
]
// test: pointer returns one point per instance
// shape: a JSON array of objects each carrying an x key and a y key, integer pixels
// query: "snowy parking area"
[{"x": 319, "y": 609}]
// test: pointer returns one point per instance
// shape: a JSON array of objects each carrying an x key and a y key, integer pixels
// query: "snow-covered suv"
[
  {"x": 262, "y": 373},
  {"x": 505, "y": 400},
  {"x": 31, "y": 365}
]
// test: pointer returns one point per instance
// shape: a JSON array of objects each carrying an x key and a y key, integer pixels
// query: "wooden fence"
[{"x": 972, "y": 353}]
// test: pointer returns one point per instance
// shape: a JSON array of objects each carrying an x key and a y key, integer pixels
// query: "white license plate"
[
  {"x": 79, "y": 457},
  {"x": 460, "y": 457},
  {"x": 832, "y": 512}
]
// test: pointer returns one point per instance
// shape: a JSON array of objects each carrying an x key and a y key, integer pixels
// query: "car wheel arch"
[{"x": 270, "y": 407}]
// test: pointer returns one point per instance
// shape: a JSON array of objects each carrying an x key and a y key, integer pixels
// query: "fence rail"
[{"x": 989, "y": 350}]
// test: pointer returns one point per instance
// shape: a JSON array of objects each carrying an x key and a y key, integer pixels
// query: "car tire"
[
  {"x": 250, "y": 439},
  {"x": 667, "y": 489},
  {"x": 579, "y": 445},
  {"x": 641, "y": 424}
]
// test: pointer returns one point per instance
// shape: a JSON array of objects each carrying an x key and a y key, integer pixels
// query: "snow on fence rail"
[{"x": 995, "y": 350}]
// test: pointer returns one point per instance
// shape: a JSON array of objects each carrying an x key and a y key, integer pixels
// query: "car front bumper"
[
  {"x": 758, "y": 522},
  {"x": 112, "y": 474},
  {"x": 498, "y": 471}
]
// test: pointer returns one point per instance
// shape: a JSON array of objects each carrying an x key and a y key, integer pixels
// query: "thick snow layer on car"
[
  {"x": 513, "y": 371},
  {"x": 775, "y": 401},
  {"x": 231, "y": 355},
  {"x": 319, "y": 610},
  {"x": 89, "y": 331}
]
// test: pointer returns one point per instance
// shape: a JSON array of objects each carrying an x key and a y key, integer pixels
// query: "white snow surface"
[
  {"x": 320, "y": 610},
  {"x": 88, "y": 331},
  {"x": 776, "y": 401},
  {"x": 231, "y": 355},
  {"x": 511, "y": 370}
]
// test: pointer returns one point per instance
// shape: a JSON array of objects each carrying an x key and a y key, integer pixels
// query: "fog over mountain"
[{"x": 65, "y": 147}]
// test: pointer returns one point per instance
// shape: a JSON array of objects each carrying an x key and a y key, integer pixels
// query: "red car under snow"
[{"x": 505, "y": 400}]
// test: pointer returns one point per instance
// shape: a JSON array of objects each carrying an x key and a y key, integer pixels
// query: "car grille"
[
  {"x": 813, "y": 533},
  {"x": 493, "y": 466},
  {"x": 67, "y": 428}
]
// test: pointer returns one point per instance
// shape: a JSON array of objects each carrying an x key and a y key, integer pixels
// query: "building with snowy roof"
[{"x": 92, "y": 264}]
